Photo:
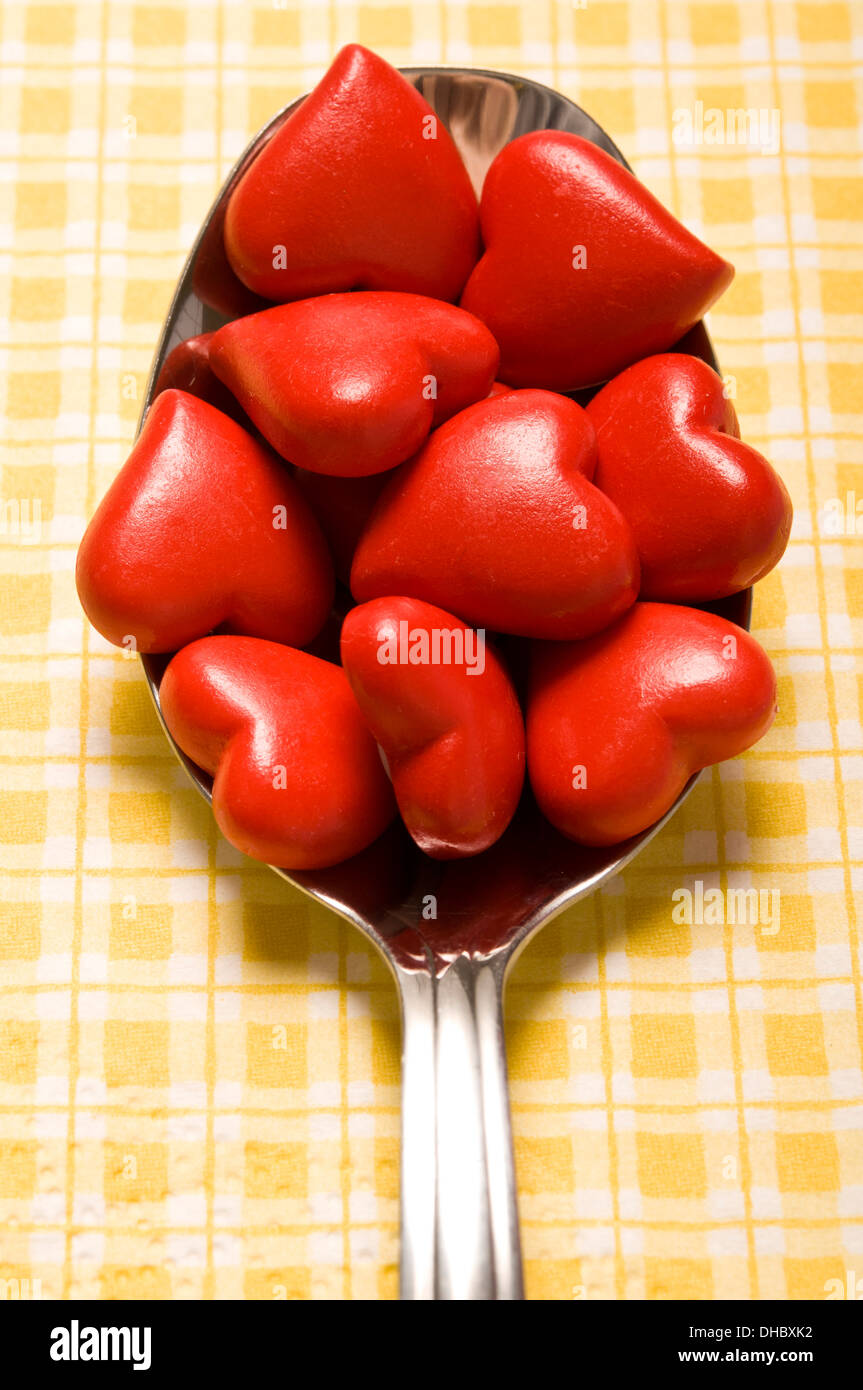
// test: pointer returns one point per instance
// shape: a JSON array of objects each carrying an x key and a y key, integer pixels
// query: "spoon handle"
[{"x": 459, "y": 1220}]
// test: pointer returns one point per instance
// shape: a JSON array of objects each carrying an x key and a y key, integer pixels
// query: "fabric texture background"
[{"x": 199, "y": 1067}]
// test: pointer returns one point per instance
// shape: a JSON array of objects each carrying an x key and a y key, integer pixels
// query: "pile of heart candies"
[{"x": 400, "y": 566}]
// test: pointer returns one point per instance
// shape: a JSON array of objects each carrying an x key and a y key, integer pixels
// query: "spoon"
[{"x": 449, "y": 931}]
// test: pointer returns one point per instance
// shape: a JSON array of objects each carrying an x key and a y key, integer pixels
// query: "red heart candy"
[
  {"x": 213, "y": 280},
  {"x": 188, "y": 368},
  {"x": 298, "y": 780},
  {"x": 351, "y": 384},
  {"x": 202, "y": 526},
  {"x": 495, "y": 519},
  {"x": 617, "y": 725},
  {"x": 584, "y": 270},
  {"x": 442, "y": 707},
  {"x": 361, "y": 188},
  {"x": 709, "y": 515}
]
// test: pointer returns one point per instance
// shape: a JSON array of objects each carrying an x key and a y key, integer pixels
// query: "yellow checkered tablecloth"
[{"x": 198, "y": 1066}]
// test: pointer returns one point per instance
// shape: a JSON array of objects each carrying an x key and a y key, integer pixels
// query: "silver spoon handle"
[{"x": 458, "y": 1206}]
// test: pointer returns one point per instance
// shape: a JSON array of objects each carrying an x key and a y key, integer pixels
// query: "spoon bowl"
[{"x": 449, "y": 931}]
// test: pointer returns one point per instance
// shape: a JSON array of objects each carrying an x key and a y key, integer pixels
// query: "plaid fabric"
[{"x": 199, "y": 1067}]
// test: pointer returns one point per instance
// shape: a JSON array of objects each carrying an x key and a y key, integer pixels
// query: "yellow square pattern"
[{"x": 199, "y": 1068}]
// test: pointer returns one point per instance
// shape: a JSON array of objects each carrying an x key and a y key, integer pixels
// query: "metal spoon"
[{"x": 449, "y": 932}]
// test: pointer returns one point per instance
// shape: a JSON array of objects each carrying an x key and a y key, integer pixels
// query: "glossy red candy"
[
  {"x": 202, "y": 527},
  {"x": 361, "y": 188},
  {"x": 298, "y": 780},
  {"x": 213, "y": 280},
  {"x": 187, "y": 368},
  {"x": 442, "y": 707},
  {"x": 584, "y": 270},
  {"x": 351, "y": 384},
  {"x": 709, "y": 515},
  {"x": 617, "y": 725},
  {"x": 495, "y": 520}
]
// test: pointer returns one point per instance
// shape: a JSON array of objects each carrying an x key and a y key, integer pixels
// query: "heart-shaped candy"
[
  {"x": 442, "y": 708},
  {"x": 297, "y": 778},
  {"x": 709, "y": 514},
  {"x": 188, "y": 368},
  {"x": 361, "y": 188},
  {"x": 496, "y": 520},
  {"x": 584, "y": 271},
  {"x": 351, "y": 384},
  {"x": 202, "y": 527},
  {"x": 213, "y": 280},
  {"x": 617, "y": 725}
]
